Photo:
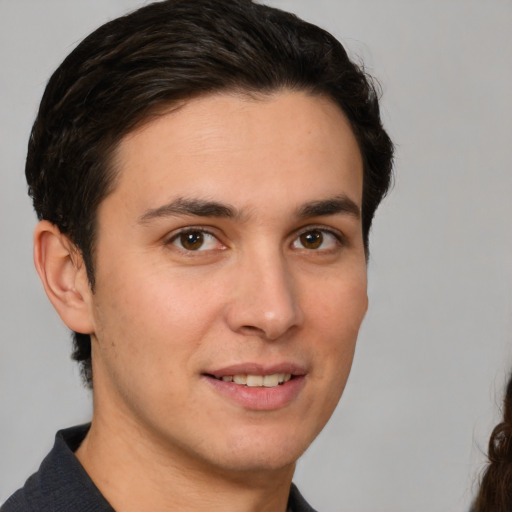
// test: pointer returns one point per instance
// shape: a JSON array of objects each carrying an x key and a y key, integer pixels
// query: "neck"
[{"x": 136, "y": 471}]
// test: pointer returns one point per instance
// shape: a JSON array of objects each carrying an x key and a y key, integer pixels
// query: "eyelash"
[
  {"x": 192, "y": 230},
  {"x": 337, "y": 235}
]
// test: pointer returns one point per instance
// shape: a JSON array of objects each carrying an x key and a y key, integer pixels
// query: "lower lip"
[{"x": 259, "y": 398}]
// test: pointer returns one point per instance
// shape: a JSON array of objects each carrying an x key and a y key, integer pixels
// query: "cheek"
[
  {"x": 339, "y": 306},
  {"x": 154, "y": 314},
  {"x": 150, "y": 330},
  {"x": 335, "y": 317}
]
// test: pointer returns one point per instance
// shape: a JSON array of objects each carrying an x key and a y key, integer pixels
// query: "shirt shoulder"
[
  {"x": 61, "y": 483},
  {"x": 16, "y": 503},
  {"x": 20, "y": 501}
]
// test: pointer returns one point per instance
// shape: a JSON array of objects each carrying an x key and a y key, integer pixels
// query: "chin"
[{"x": 271, "y": 452}]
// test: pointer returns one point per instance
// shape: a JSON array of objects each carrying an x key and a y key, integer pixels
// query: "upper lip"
[{"x": 258, "y": 369}]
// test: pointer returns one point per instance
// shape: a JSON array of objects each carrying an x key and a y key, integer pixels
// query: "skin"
[{"x": 273, "y": 283}]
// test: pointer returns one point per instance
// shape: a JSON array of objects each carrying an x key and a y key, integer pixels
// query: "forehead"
[{"x": 226, "y": 144}]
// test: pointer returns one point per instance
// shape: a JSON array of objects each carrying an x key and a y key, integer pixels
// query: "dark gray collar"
[{"x": 61, "y": 483}]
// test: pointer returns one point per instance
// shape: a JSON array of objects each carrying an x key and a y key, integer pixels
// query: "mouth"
[
  {"x": 258, "y": 387},
  {"x": 256, "y": 381}
]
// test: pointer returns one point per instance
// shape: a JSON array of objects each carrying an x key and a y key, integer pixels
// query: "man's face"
[{"x": 230, "y": 279}]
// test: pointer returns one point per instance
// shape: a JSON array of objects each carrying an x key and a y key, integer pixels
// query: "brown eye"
[
  {"x": 311, "y": 239},
  {"x": 191, "y": 240},
  {"x": 320, "y": 240},
  {"x": 196, "y": 240}
]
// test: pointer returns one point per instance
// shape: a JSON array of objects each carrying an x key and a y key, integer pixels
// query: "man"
[{"x": 205, "y": 173}]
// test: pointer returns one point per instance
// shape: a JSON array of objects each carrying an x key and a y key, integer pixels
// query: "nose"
[{"x": 264, "y": 301}]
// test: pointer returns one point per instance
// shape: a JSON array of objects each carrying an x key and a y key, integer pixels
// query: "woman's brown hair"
[{"x": 495, "y": 493}]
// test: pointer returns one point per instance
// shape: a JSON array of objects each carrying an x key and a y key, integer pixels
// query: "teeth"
[
  {"x": 240, "y": 379},
  {"x": 269, "y": 381},
  {"x": 256, "y": 381}
]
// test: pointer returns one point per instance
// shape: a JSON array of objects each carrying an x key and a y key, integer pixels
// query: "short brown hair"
[{"x": 133, "y": 66}]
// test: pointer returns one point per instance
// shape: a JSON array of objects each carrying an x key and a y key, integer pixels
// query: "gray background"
[{"x": 435, "y": 349}]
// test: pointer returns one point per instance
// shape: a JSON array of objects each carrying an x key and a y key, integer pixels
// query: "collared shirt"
[{"x": 62, "y": 485}]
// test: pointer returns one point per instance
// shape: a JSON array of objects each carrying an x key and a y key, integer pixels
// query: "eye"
[
  {"x": 317, "y": 239},
  {"x": 196, "y": 240}
]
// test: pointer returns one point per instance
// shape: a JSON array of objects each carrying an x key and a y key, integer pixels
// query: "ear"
[{"x": 62, "y": 271}]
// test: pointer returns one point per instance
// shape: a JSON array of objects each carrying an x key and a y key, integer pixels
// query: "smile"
[
  {"x": 258, "y": 387},
  {"x": 255, "y": 381}
]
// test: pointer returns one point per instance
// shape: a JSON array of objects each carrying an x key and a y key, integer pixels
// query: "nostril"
[{"x": 251, "y": 330}]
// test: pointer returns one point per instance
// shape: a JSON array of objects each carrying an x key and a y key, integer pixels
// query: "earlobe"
[{"x": 62, "y": 271}]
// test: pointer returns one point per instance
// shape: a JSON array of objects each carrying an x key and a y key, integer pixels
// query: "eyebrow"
[
  {"x": 332, "y": 206},
  {"x": 206, "y": 208},
  {"x": 194, "y": 207}
]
